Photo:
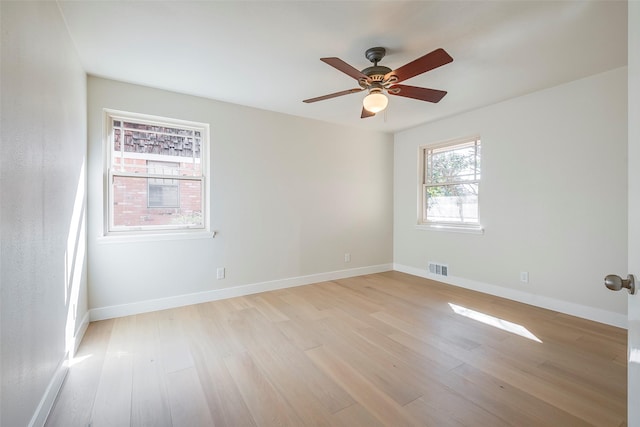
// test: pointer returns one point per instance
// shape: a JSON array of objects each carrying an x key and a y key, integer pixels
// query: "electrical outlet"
[
  {"x": 347, "y": 257},
  {"x": 220, "y": 273},
  {"x": 524, "y": 276}
]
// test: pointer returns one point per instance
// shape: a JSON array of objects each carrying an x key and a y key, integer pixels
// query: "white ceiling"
[{"x": 265, "y": 54}]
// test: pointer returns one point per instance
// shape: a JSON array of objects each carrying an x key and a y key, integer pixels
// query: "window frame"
[
  {"x": 422, "y": 221},
  {"x": 159, "y": 231}
]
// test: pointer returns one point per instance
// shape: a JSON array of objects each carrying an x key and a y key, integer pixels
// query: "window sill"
[
  {"x": 469, "y": 229},
  {"x": 132, "y": 237}
]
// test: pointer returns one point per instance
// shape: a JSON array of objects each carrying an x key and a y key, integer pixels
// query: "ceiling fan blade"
[
  {"x": 333, "y": 95},
  {"x": 366, "y": 113},
  {"x": 431, "y": 60},
  {"x": 421, "y": 93},
  {"x": 340, "y": 65}
]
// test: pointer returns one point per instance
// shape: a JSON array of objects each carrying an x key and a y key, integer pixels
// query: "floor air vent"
[{"x": 439, "y": 269}]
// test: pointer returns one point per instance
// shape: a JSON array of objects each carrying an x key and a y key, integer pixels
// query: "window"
[
  {"x": 157, "y": 174},
  {"x": 449, "y": 185}
]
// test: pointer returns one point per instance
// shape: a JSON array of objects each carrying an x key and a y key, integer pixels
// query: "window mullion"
[
  {"x": 452, "y": 183},
  {"x": 153, "y": 175}
]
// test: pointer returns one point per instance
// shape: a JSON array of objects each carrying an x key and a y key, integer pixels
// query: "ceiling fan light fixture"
[{"x": 375, "y": 102}]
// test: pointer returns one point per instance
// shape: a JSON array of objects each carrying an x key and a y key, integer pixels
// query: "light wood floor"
[{"x": 383, "y": 349}]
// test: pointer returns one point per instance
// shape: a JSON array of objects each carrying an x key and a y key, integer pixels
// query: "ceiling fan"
[{"x": 377, "y": 79}]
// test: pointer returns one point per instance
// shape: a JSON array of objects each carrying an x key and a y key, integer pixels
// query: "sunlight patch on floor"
[{"x": 496, "y": 322}]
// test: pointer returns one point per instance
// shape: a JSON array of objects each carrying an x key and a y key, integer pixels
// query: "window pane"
[
  {"x": 452, "y": 203},
  {"x": 163, "y": 195},
  {"x": 138, "y": 203},
  {"x": 457, "y": 163},
  {"x": 133, "y": 141},
  {"x": 163, "y": 168}
]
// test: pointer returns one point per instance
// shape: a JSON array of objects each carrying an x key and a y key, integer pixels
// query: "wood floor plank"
[
  {"x": 285, "y": 363},
  {"x": 267, "y": 406},
  {"x": 380, "y": 349},
  {"x": 285, "y": 367},
  {"x": 430, "y": 359},
  {"x": 301, "y": 333},
  {"x": 299, "y": 307},
  {"x": 431, "y": 350},
  {"x": 73, "y": 407},
  {"x": 415, "y": 336},
  {"x": 149, "y": 396},
  {"x": 446, "y": 408},
  {"x": 549, "y": 390},
  {"x": 280, "y": 372},
  {"x": 114, "y": 388},
  {"x": 214, "y": 322},
  {"x": 381, "y": 369},
  {"x": 186, "y": 398},
  {"x": 173, "y": 346},
  {"x": 355, "y": 415},
  {"x": 268, "y": 305},
  {"x": 226, "y": 405},
  {"x": 379, "y": 404},
  {"x": 506, "y": 401}
]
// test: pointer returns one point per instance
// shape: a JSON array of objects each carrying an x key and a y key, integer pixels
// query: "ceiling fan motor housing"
[{"x": 377, "y": 72}]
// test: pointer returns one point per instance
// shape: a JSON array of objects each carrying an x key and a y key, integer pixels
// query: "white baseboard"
[
  {"x": 53, "y": 388},
  {"x": 573, "y": 309},
  {"x": 110, "y": 312},
  {"x": 82, "y": 328},
  {"x": 50, "y": 394}
]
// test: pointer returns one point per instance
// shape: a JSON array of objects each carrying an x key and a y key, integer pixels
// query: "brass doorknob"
[{"x": 615, "y": 283}]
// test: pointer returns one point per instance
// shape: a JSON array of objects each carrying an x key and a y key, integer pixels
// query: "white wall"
[
  {"x": 43, "y": 149},
  {"x": 552, "y": 198},
  {"x": 289, "y": 197}
]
